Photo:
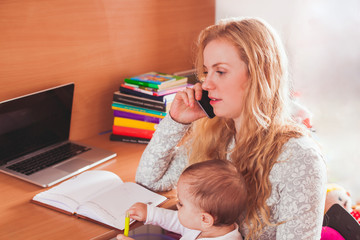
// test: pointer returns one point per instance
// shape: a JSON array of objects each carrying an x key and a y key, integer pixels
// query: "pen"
[{"x": 127, "y": 224}]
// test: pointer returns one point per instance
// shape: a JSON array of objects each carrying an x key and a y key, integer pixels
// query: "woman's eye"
[{"x": 220, "y": 72}]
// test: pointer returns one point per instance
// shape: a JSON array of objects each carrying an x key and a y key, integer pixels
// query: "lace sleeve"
[
  {"x": 162, "y": 162},
  {"x": 301, "y": 186}
]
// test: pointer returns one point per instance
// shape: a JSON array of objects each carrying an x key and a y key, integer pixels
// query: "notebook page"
[
  {"x": 69, "y": 194},
  {"x": 111, "y": 206}
]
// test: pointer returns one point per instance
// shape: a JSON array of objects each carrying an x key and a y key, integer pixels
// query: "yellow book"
[{"x": 127, "y": 122}]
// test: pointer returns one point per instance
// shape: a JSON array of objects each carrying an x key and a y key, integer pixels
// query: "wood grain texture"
[
  {"x": 21, "y": 219},
  {"x": 95, "y": 44}
]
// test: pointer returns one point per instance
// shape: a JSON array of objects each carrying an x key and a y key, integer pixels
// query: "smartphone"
[{"x": 204, "y": 103}]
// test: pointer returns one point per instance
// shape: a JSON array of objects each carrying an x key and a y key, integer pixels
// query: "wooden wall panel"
[{"x": 95, "y": 44}]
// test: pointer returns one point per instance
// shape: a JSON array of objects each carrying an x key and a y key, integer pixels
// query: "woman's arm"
[
  {"x": 302, "y": 191},
  {"x": 162, "y": 162}
]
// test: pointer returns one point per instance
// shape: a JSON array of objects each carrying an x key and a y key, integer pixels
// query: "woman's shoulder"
[
  {"x": 300, "y": 154},
  {"x": 301, "y": 145}
]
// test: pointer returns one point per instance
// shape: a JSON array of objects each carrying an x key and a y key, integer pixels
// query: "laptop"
[{"x": 34, "y": 138}]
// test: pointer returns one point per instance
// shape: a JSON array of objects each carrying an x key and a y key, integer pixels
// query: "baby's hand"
[
  {"x": 122, "y": 237},
  {"x": 138, "y": 211}
]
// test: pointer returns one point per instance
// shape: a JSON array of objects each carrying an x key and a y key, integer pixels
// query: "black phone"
[{"x": 204, "y": 103}]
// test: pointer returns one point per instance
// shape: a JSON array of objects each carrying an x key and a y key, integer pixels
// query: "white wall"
[{"x": 322, "y": 38}]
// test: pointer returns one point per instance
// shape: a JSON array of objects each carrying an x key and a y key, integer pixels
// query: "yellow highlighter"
[{"x": 127, "y": 224}]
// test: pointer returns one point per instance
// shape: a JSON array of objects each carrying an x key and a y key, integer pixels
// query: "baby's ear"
[{"x": 207, "y": 220}]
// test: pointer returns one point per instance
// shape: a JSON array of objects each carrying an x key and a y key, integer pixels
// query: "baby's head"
[{"x": 210, "y": 193}]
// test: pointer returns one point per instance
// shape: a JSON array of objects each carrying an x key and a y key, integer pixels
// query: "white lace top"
[{"x": 298, "y": 180}]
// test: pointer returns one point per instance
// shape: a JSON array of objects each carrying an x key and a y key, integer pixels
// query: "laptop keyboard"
[{"x": 47, "y": 159}]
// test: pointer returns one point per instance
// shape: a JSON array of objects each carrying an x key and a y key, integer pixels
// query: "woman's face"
[{"x": 226, "y": 78}]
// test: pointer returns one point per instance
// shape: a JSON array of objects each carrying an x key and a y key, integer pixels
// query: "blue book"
[{"x": 137, "y": 109}]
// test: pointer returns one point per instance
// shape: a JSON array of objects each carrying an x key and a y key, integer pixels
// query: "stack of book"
[{"x": 141, "y": 103}]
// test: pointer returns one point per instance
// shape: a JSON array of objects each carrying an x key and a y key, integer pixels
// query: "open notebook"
[
  {"x": 34, "y": 138},
  {"x": 99, "y": 196}
]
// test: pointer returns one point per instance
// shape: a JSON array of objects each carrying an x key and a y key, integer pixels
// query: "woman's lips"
[{"x": 214, "y": 100}]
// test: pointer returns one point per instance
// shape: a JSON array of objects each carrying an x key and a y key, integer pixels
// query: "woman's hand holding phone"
[
  {"x": 184, "y": 108},
  {"x": 205, "y": 105}
]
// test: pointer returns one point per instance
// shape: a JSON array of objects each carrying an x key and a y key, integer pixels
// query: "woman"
[{"x": 242, "y": 65}]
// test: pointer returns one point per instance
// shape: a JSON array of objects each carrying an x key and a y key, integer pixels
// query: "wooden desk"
[{"x": 20, "y": 219}]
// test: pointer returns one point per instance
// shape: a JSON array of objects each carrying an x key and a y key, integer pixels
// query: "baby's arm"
[{"x": 165, "y": 218}]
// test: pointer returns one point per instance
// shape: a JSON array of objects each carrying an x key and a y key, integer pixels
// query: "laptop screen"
[{"x": 34, "y": 121}]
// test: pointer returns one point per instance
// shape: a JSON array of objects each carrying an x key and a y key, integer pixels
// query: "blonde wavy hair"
[{"x": 267, "y": 123}]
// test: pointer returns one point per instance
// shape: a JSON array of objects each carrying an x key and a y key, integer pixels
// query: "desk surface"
[{"x": 21, "y": 219}]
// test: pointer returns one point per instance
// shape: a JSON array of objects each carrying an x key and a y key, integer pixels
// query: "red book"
[{"x": 133, "y": 132}]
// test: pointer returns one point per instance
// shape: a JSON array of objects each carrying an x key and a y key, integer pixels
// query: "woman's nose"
[{"x": 208, "y": 84}]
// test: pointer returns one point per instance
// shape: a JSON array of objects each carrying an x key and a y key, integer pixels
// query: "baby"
[{"x": 211, "y": 197}]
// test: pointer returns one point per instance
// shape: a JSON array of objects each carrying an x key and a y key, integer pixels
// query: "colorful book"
[
  {"x": 121, "y": 138},
  {"x": 127, "y": 89},
  {"x": 138, "y": 110},
  {"x": 98, "y": 196},
  {"x": 140, "y": 101},
  {"x": 155, "y": 92},
  {"x": 145, "y": 94},
  {"x": 140, "y": 117},
  {"x": 132, "y": 132},
  {"x": 155, "y": 77},
  {"x": 126, "y": 122},
  {"x": 157, "y": 80}
]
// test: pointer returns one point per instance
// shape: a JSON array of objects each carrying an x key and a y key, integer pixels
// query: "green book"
[
  {"x": 139, "y": 83},
  {"x": 156, "y": 80}
]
